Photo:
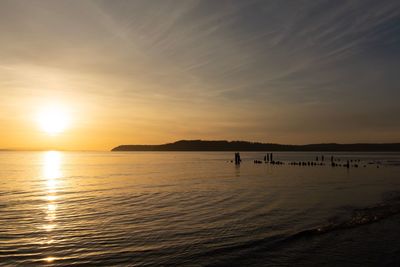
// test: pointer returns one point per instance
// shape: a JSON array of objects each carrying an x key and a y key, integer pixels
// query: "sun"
[{"x": 53, "y": 119}]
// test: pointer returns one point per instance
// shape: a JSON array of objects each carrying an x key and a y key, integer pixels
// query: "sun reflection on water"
[
  {"x": 49, "y": 259},
  {"x": 52, "y": 165},
  {"x": 51, "y": 198},
  {"x": 51, "y": 173}
]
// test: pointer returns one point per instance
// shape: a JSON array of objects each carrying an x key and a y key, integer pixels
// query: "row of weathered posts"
[{"x": 319, "y": 161}]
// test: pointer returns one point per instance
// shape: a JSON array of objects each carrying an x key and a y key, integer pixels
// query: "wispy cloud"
[{"x": 293, "y": 59}]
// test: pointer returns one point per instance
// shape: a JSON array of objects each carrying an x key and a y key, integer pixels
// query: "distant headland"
[{"x": 203, "y": 145}]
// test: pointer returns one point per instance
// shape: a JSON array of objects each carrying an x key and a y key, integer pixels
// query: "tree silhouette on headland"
[{"x": 200, "y": 145}]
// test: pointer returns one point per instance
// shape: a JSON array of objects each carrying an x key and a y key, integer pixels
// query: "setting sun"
[
  {"x": 53, "y": 119},
  {"x": 207, "y": 133}
]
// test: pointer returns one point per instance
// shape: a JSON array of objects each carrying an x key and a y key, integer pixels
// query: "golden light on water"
[
  {"x": 51, "y": 172},
  {"x": 51, "y": 198},
  {"x": 49, "y": 227},
  {"x": 50, "y": 217},
  {"x": 52, "y": 165},
  {"x": 51, "y": 207},
  {"x": 51, "y": 185},
  {"x": 49, "y": 259},
  {"x": 52, "y": 162}
]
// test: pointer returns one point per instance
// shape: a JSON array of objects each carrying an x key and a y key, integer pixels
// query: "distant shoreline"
[{"x": 202, "y": 145}]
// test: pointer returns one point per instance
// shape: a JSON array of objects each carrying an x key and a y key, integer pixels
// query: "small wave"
[
  {"x": 358, "y": 217},
  {"x": 389, "y": 207}
]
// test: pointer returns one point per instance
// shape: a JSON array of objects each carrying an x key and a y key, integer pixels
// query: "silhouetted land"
[{"x": 200, "y": 145}]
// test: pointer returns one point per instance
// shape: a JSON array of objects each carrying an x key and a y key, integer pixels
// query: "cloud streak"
[{"x": 270, "y": 64}]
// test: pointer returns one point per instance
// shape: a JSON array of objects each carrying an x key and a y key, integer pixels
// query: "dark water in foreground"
[{"x": 197, "y": 209}]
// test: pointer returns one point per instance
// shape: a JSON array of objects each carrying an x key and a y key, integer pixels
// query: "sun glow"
[{"x": 53, "y": 119}]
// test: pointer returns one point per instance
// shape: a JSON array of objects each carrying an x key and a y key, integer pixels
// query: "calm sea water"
[{"x": 197, "y": 209}]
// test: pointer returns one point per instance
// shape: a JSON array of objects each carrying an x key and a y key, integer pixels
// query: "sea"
[{"x": 199, "y": 209}]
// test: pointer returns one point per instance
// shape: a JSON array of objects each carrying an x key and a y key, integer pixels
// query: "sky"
[{"x": 151, "y": 72}]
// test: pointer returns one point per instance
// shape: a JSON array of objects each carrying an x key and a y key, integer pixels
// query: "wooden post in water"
[{"x": 237, "y": 158}]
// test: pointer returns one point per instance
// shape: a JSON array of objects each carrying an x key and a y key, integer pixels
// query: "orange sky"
[{"x": 147, "y": 72}]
